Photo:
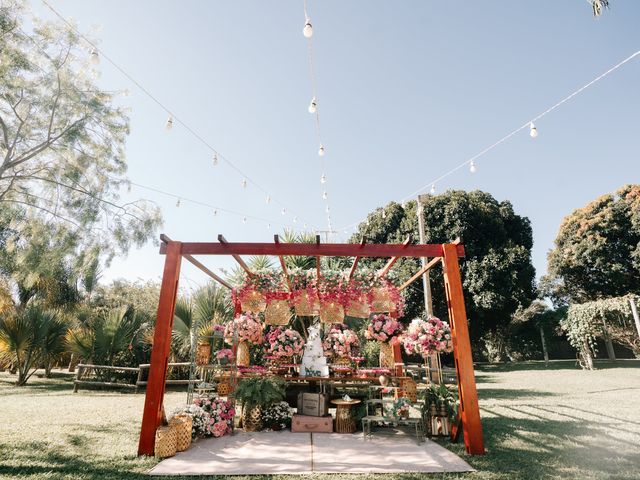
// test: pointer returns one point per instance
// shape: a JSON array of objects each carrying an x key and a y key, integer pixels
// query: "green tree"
[
  {"x": 62, "y": 140},
  {"x": 497, "y": 272},
  {"x": 597, "y": 250}
]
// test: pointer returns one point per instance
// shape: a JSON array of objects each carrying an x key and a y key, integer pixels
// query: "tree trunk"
[
  {"x": 587, "y": 358},
  {"x": 634, "y": 312},
  {"x": 48, "y": 366},
  {"x": 607, "y": 341},
  {"x": 545, "y": 352},
  {"x": 72, "y": 364}
]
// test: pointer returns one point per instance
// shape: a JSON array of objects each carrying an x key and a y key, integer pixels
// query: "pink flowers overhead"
[
  {"x": 247, "y": 327},
  {"x": 383, "y": 328},
  {"x": 283, "y": 342},
  {"x": 340, "y": 342},
  {"x": 425, "y": 337}
]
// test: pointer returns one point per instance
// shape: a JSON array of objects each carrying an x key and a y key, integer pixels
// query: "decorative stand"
[{"x": 345, "y": 423}]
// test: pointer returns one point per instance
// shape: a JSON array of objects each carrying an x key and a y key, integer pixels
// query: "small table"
[{"x": 345, "y": 423}]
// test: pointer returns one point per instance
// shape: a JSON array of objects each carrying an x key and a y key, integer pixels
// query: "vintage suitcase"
[
  {"x": 306, "y": 423},
  {"x": 313, "y": 404}
]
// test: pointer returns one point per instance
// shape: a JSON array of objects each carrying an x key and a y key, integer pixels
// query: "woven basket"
[
  {"x": 253, "y": 301},
  {"x": 183, "y": 425},
  {"x": 381, "y": 301},
  {"x": 341, "y": 361},
  {"x": 223, "y": 388},
  {"x": 409, "y": 389},
  {"x": 358, "y": 309},
  {"x": 166, "y": 442},
  {"x": 386, "y": 355},
  {"x": 243, "y": 355},
  {"x": 331, "y": 312},
  {"x": 307, "y": 305},
  {"x": 203, "y": 354},
  {"x": 278, "y": 312}
]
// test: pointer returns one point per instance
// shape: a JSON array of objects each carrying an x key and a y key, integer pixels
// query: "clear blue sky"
[{"x": 407, "y": 90}]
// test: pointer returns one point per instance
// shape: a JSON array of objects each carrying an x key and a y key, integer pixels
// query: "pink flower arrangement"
[
  {"x": 383, "y": 328},
  {"x": 220, "y": 415},
  {"x": 224, "y": 354},
  {"x": 283, "y": 343},
  {"x": 340, "y": 342},
  {"x": 248, "y": 328},
  {"x": 425, "y": 337}
]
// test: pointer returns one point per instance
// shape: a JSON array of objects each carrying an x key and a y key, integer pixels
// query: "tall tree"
[
  {"x": 62, "y": 140},
  {"x": 497, "y": 272},
  {"x": 597, "y": 250}
]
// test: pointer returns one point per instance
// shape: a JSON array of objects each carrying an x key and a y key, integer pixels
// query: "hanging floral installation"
[{"x": 426, "y": 337}]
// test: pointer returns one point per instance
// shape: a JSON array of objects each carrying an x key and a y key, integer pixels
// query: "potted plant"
[
  {"x": 255, "y": 394},
  {"x": 441, "y": 407}
]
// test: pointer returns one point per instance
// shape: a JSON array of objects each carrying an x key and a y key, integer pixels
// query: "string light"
[
  {"x": 313, "y": 106},
  {"x": 178, "y": 203},
  {"x": 268, "y": 199},
  {"x": 169, "y": 124},
  {"x": 323, "y": 179},
  {"x": 268, "y": 226},
  {"x": 433, "y": 189},
  {"x": 327, "y": 209},
  {"x": 472, "y": 166},
  {"x": 325, "y": 195},
  {"x": 244, "y": 183},
  {"x": 215, "y": 212},
  {"x": 215, "y": 159},
  {"x": 94, "y": 56},
  {"x": 307, "y": 31},
  {"x": 321, "y": 151},
  {"x": 533, "y": 131},
  {"x": 295, "y": 219},
  {"x": 244, "y": 219},
  {"x": 283, "y": 211}
]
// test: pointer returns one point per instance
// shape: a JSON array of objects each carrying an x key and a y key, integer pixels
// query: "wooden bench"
[{"x": 141, "y": 383}]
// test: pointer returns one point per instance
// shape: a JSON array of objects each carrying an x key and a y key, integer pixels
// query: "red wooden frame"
[{"x": 447, "y": 253}]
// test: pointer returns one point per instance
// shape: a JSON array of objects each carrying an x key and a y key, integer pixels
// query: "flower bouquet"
[
  {"x": 246, "y": 329},
  {"x": 224, "y": 356},
  {"x": 425, "y": 337},
  {"x": 220, "y": 412},
  {"x": 384, "y": 329},
  {"x": 340, "y": 342},
  {"x": 277, "y": 416},
  {"x": 399, "y": 408},
  {"x": 283, "y": 343}
]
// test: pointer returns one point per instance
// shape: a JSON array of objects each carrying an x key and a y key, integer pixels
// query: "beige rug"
[{"x": 300, "y": 453}]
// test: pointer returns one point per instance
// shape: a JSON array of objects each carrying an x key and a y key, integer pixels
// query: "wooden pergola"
[{"x": 444, "y": 254}]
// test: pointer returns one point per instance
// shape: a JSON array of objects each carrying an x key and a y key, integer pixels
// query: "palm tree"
[{"x": 31, "y": 337}]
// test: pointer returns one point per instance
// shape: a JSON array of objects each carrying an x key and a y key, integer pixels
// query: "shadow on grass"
[
  {"x": 509, "y": 394},
  {"x": 554, "y": 365}
]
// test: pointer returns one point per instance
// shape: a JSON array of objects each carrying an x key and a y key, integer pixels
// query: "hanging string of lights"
[
  {"x": 529, "y": 124},
  {"x": 95, "y": 54},
  {"x": 314, "y": 109}
]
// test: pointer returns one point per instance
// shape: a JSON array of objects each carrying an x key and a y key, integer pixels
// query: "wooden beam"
[
  {"x": 315, "y": 250},
  {"x": 357, "y": 259},
  {"x": 276, "y": 239},
  {"x": 238, "y": 258},
  {"x": 152, "y": 413},
  {"x": 217, "y": 278},
  {"x": 391, "y": 261},
  {"x": 420, "y": 272},
  {"x": 467, "y": 393}
]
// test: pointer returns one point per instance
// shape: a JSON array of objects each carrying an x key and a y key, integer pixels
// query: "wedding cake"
[{"x": 314, "y": 363}]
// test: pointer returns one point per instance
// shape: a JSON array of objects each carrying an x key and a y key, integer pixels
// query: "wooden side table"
[{"x": 345, "y": 423}]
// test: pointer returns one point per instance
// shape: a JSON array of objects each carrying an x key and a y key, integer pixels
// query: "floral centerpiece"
[
  {"x": 340, "y": 342},
  {"x": 304, "y": 294},
  {"x": 399, "y": 408},
  {"x": 220, "y": 412},
  {"x": 277, "y": 416},
  {"x": 246, "y": 329},
  {"x": 384, "y": 329},
  {"x": 426, "y": 337},
  {"x": 282, "y": 343}
]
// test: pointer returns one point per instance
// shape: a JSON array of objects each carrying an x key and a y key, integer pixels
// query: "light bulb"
[
  {"x": 472, "y": 166},
  {"x": 244, "y": 219},
  {"x": 244, "y": 183},
  {"x": 323, "y": 178},
  {"x": 307, "y": 31},
  {"x": 178, "y": 203},
  {"x": 433, "y": 189},
  {"x": 313, "y": 106},
  {"x": 327, "y": 209},
  {"x": 169, "y": 124},
  {"x": 95, "y": 57},
  {"x": 268, "y": 199},
  {"x": 533, "y": 131},
  {"x": 268, "y": 226},
  {"x": 215, "y": 213},
  {"x": 295, "y": 219},
  {"x": 283, "y": 211},
  {"x": 304, "y": 226},
  {"x": 325, "y": 195},
  {"x": 321, "y": 151},
  {"x": 215, "y": 159}
]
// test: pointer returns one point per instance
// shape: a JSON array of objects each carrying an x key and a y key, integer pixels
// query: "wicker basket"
[
  {"x": 331, "y": 312},
  {"x": 306, "y": 305},
  {"x": 253, "y": 301},
  {"x": 223, "y": 388},
  {"x": 243, "y": 355},
  {"x": 358, "y": 309},
  {"x": 381, "y": 301},
  {"x": 278, "y": 312},
  {"x": 203, "y": 354},
  {"x": 386, "y": 355},
  {"x": 341, "y": 361},
  {"x": 183, "y": 425},
  {"x": 408, "y": 389},
  {"x": 166, "y": 442}
]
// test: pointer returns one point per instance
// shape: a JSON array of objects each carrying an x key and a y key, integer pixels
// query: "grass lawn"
[{"x": 539, "y": 422}]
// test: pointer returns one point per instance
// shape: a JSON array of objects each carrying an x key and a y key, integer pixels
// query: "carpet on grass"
[{"x": 263, "y": 453}]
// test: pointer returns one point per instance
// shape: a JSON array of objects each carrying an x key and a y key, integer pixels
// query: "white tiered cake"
[{"x": 314, "y": 363}]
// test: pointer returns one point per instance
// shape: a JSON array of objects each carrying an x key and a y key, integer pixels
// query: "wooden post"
[
  {"x": 469, "y": 410},
  {"x": 152, "y": 415},
  {"x": 634, "y": 312}
]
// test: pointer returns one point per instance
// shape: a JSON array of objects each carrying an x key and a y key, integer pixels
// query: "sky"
[{"x": 406, "y": 91}]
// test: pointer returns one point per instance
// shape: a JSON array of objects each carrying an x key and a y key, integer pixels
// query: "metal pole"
[{"x": 426, "y": 283}]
